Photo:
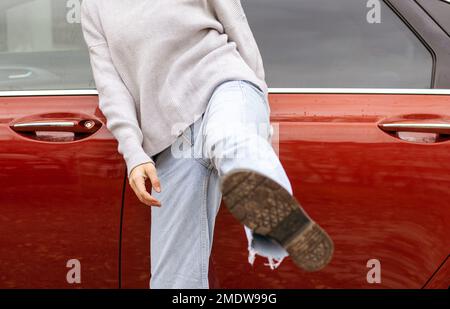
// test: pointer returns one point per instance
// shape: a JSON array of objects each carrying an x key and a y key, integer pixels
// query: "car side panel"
[
  {"x": 59, "y": 201},
  {"x": 378, "y": 197}
]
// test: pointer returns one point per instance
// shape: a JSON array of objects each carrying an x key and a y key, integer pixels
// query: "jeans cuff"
[{"x": 265, "y": 247}]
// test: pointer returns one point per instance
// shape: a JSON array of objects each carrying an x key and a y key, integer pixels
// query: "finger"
[
  {"x": 153, "y": 201},
  {"x": 143, "y": 194},
  {"x": 153, "y": 176}
]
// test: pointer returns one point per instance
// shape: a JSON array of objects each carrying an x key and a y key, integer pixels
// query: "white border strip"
[{"x": 82, "y": 92}]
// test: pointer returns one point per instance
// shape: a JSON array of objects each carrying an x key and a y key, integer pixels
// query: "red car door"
[
  {"x": 61, "y": 177},
  {"x": 378, "y": 179},
  {"x": 382, "y": 192}
]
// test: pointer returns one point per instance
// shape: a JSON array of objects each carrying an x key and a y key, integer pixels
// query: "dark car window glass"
[
  {"x": 440, "y": 11},
  {"x": 330, "y": 43},
  {"x": 41, "y": 46}
]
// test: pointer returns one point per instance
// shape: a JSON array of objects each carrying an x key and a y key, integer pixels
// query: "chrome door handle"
[
  {"x": 82, "y": 126},
  {"x": 424, "y": 127},
  {"x": 45, "y": 124}
]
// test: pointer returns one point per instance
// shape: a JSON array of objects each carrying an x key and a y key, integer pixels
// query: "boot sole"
[{"x": 270, "y": 210}]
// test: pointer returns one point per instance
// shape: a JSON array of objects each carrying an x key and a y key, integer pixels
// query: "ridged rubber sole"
[{"x": 269, "y": 210}]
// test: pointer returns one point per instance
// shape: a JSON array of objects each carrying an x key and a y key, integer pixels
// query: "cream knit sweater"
[{"x": 157, "y": 62}]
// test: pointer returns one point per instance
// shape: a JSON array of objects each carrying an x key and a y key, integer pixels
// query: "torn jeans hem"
[{"x": 265, "y": 247}]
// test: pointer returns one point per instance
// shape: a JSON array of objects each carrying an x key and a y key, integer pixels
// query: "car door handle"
[
  {"x": 418, "y": 128},
  {"x": 424, "y": 127},
  {"x": 437, "y": 127},
  {"x": 57, "y": 130},
  {"x": 75, "y": 126}
]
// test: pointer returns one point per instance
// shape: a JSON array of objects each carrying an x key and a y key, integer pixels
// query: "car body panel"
[
  {"x": 378, "y": 197},
  {"x": 60, "y": 200}
]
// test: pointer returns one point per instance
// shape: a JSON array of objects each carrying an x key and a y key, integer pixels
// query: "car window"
[
  {"x": 41, "y": 46},
  {"x": 345, "y": 43},
  {"x": 304, "y": 43},
  {"x": 439, "y": 11}
]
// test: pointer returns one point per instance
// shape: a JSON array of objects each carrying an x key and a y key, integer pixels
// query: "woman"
[{"x": 182, "y": 86}]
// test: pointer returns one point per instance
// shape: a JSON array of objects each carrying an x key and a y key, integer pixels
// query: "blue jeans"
[{"x": 233, "y": 133}]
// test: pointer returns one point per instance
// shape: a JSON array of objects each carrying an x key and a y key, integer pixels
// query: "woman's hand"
[{"x": 137, "y": 179}]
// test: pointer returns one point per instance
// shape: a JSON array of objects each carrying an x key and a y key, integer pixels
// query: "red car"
[{"x": 361, "y": 105}]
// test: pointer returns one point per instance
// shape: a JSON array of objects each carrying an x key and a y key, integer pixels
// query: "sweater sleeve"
[
  {"x": 115, "y": 101},
  {"x": 231, "y": 15}
]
